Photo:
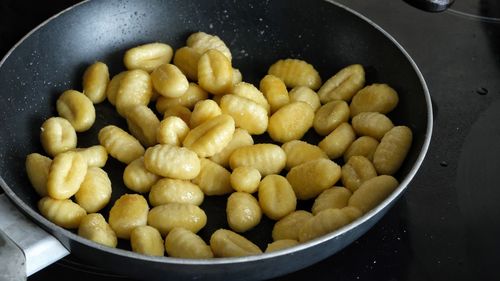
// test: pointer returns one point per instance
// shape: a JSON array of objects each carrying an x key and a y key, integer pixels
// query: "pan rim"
[{"x": 46, "y": 224}]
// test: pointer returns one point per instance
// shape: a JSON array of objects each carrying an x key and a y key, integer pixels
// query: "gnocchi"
[
  {"x": 276, "y": 197},
  {"x": 128, "y": 212},
  {"x": 374, "y": 98},
  {"x": 343, "y": 85},
  {"x": 57, "y": 135},
  {"x": 182, "y": 243},
  {"x": 94, "y": 227},
  {"x": 37, "y": 168},
  {"x": 120, "y": 144},
  {"x": 77, "y": 108},
  {"x": 95, "y": 82},
  {"x": 137, "y": 178},
  {"x": 169, "y": 81},
  {"x": 226, "y": 243},
  {"x": 245, "y": 179},
  {"x": 242, "y": 211},
  {"x": 295, "y": 72},
  {"x": 215, "y": 73},
  {"x": 274, "y": 89},
  {"x": 148, "y": 56},
  {"x": 392, "y": 150},
  {"x": 169, "y": 216},
  {"x": 213, "y": 179},
  {"x": 64, "y": 213},
  {"x": 290, "y": 122},
  {"x": 147, "y": 240},
  {"x": 171, "y": 161},
  {"x": 167, "y": 191},
  {"x": 265, "y": 157},
  {"x": 95, "y": 191},
  {"x": 66, "y": 174}
]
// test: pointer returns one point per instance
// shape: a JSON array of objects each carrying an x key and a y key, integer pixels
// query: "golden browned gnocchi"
[
  {"x": 137, "y": 178},
  {"x": 182, "y": 243},
  {"x": 305, "y": 94},
  {"x": 338, "y": 141},
  {"x": 169, "y": 216},
  {"x": 330, "y": 116},
  {"x": 57, "y": 135},
  {"x": 373, "y": 191},
  {"x": 120, "y": 144},
  {"x": 37, "y": 168},
  {"x": 95, "y": 82},
  {"x": 148, "y": 56},
  {"x": 392, "y": 150},
  {"x": 249, "y": 91},
  {"x": 242, "y": 211},
  {"x": 94, "y": 227},
  {"x": 213, "y": 179},
  {"x": 226, "y": 243},
  {"x": 172, "y": 130},
  {"x": 295, "y": 72},
  {"x": 77, "y": 108},
  {"x": 309, "y": 179},
  {"x": 373, "y": 124},
  {"x": 246, "y": 113},
  {"x": 171, "y": 161},
  {"x": 362, "y": 146},
  {"x": 322, "y": 223},
  {"x": 167, "y": 191},
  {"x": 356, "y": 171},
  {"x": 215, "y": 73},
  {"x": 143, "y": 124},
  {"x": 374, "y": 98},
  {"x": 276, "y": 197},
  {"x": 127, "y": 213},
  {"x": 66, "y": 174},
  {"x": 335, "y": 197},
  {"x": 290, "y": 122},
  {"x": 147, "y": 240},
  {"x": 64, "y": 213},
  {"x": 267, "y": 158},
  {"x": 95, "y": 191},
  {"x": 287, "y": 227},
  {"x": 343, "y": 85},
  {"x": 210, "y": 137},
  {"x": 281, "y": 244}
]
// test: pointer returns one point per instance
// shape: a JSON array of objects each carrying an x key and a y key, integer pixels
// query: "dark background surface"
[{"x": 447, "y": 225}]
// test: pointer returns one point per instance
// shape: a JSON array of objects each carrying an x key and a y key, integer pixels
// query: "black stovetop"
[{"x": 447, "y": 224}]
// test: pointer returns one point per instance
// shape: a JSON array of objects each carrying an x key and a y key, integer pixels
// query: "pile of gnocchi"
[{"x": 204, "y": 146}]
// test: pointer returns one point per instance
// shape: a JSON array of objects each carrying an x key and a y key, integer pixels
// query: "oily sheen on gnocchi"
[{"x": 194, "y": 130}]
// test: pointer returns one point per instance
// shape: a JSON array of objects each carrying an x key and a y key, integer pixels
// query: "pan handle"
[
  {"x": 431, "y": 5},
  {"x": 25, "y": 248}
]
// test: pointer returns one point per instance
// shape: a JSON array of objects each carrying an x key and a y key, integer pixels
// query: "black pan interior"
[{"x": 53, "y": 58}]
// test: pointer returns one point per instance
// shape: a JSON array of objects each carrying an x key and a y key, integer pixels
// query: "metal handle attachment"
[
  {"x": 431, "y": 5},
  {"x": 25, "y": 248}
]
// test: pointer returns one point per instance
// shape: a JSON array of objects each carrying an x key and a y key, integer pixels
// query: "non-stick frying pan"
[{"x": 52, "y": 58}]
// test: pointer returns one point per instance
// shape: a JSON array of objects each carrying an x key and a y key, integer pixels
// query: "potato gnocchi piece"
[
  {"x": 95, "y": 82},
  {"x": 147, "y": 240},
  {"x": 202, "y": 42},
  {"x": 338, "y": 141},
  {"x": 372, "y": 192},
  {"x": 215, "y": 73},
  {"x": 135, "y": 88},
  {"x": 167, "y": 191},
  {"x": 362, "y": 146},
  {"x": 323, "y": 223},
  {"x": 169, "y": 216},
  {"x": 309, "y": 179},
  {"x": 243, "y": 211},
  {"x": 276, "y": 197},
  {"x": 137, "y": 178},
  {"x": 249, "y": 91},
  {"x": 66, "y": 174},
  {"x": 64, "y": 213},
  {"x": 95, "y": 191},
  {"x": 343, "y": 85},
  {"x": 305, "y": 94},
  {"x": 213, "y": 179},
  {"x": 245, "y": 179},
  {"x": 356, "y": 171},
  {"x": 226, "y": 243},
  {"x": 290, "y": 122},
  {"x": 287, "y": 227},
  {"x": 77, "y": 108},
  {"x": 182, "y": 243},
  {"x": 143, "y": 124},
  {"x": 178, "y": 111},
  {"x": 172, "y": 130},
  {"x": 247, "y": 114},
  {"x": 240, "y": 138},
  {"x": 148, "y": 56},
  {"x": 193, "y": 94},
  {"x": 95, "y": 156},
  {"x": 113, "y": 86},
  {"x": 352, "y": 212},
  {"x": 374, "y": 98},
  {"x": 237, "y": 76},
  {"x": 120, "y": 144},
  {"x": 281, "y": 244},
  {"x": 373, "y": 124},
  {"x": 203, "y": 111},
  {"x": 57, "y": 135},
  {"x": 330, "y": 116},
  {"x": 172, "y": 162},
  {"x": 298, "y": 152},
  {"x": 95, "y": 228},
  {"x": 128, "y": 212},
  {"x": 267, "y": 158},
  {"x": 274, "y": 89},
  {"x": 295, "y": 72},
  {"x": 210, "y": 137},
  {"x": 186, "y": 59},
  {"x": 37, "y": 168},
  {"x": 392, "y": 150},
  {"x": 169, "y": 81},
  {"x": 335, "y": 197}
]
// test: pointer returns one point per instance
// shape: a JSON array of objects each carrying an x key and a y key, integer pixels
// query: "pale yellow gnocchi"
[
  {"x": 64, "y": 213},
  {"x": 193, "y": 94},
  {"x": 343, "y": 85},
  {"x": 128, "y": 212},
  {"x": 57, "y": 135},
  {"x": 137, "y": 178},
  {"x": 374, "y": 98},
  {"x": 169, "y": 216},
  {"x": 392, "y": 150},
  {"x": 95, "y": 81},
  {"x": 226, "y": 243},
  {"x": 95, "y": 191},
  {"x": 298, "y": 152},
  {"x": 182, "y": 243},
  {"x": 143, "y": 124},
  {"x": 213, "y": 179},
  {"x": 77, "y": 108},
  {"x": 295, "y": 72},
  {"x": 243, "y": 211},
  {"x": 147, "y": 240},
  {"x": 290, "y": 122},
  {"x": 171, "y": 161},
  {"x": 246, "y": 113},
  {"x": 215, "y": 73},
  {"x": 120, "y": 144},
  {"x": 94, "y": 227},
  {"x": 274, "y": 89},
  {"x": 240, "y": 138},
  {"x": 166, "y": 191},
  {"x": 172, "y": 130},
  {"x": 148, "y": 56},
  {"x": 245, "y": 179},
  {"x": 276, "y": 197},
  {"x": 169, "y": 81},
  {"x": 267, "y": 158},
  {"x": 66, "y": 174},
  {"x": 37, "y": 168}
]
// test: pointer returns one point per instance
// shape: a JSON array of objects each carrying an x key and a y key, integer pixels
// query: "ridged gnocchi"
[
  {"x": 267, "y": 158},
  {"x": 295, "y": 72},
  {"x": 57, "y": 135},
  {"x": 64, "y": 213},
  {"x": 95, "y": 81},
  {"x": 148, "y": 56},
  {"x": 95, "y": 191},
  {"x": 169, "y": 216},
  {"x": 182, "y": 243},
  {"x": 171, "y": 161},
  {"x": 226, "y": 243},
  {"x": 120, "y": 144},
  {"x": 38, "y": 167},
  {"x": 94, "y": 227},
  {"x": 77, "y": 108},
  {"x": 137, "y": 178}
]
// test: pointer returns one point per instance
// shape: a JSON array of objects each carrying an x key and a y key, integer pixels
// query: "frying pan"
[{"x": 52, "y": 58}]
